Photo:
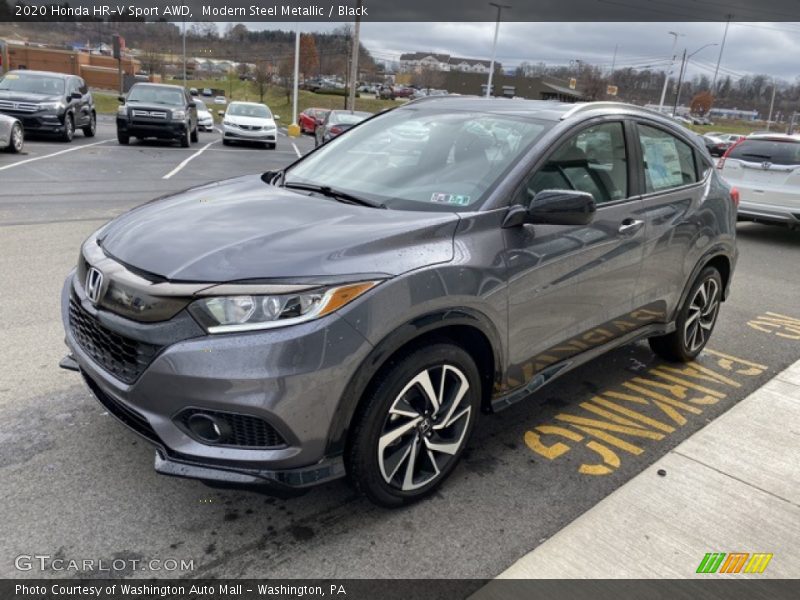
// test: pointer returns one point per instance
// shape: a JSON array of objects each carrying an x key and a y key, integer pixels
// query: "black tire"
[
  {"x": 16, "y": 140},
  {"x": 69, "y": 129},
  {"x": 367, "y": 464},
  {"x": 91, "y": 129},
  {"x": 269, "y": 146},
  {"x": 123, "y": 138},
  {"x": 696, "y": 319},
  {"x": 186, "y": 139},
  {"x": 194, "y": 135},
  {"x": 226, "y": 142}
]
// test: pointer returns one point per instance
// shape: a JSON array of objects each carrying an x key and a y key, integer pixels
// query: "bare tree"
[{"x": 261, "y": 79}]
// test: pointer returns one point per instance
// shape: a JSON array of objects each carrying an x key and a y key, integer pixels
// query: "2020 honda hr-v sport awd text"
[{"x": 354, "y": 313}]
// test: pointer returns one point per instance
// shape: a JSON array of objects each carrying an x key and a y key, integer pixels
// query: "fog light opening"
[{"x": 208, "y": 428}]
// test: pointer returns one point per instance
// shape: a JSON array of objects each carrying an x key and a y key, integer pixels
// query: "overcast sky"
[{"x": 770, "y": 48}]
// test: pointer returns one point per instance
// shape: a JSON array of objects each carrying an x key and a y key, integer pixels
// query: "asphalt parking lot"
[{"x": 77, "y": 485}]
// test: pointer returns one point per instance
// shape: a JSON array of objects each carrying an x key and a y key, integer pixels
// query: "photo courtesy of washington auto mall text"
[{"x": 399, "y": 299}]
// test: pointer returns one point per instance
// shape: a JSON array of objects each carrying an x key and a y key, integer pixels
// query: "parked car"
[
  {"x": 311, "y": 118},
  {"x": 193, "y": 92},
  {"x": 48, "y": 103},
  {"x": 220, "y": 100},
  {"x": 718, "y": 143},
  {"x": 337, "y": 122},
  {"x": 766, "y": 171},
  {"x": 403, "y": 92},
  {"x": 12, "y": 135},
  {"x": 249, "y": 122},
  {"x": 205, "y": 120},
  {"x": 208, "y": 92},
  {"x": 386, "y": 92},
  {"x": 356, "y": 311},
  {"x": 155, "y": 110}
]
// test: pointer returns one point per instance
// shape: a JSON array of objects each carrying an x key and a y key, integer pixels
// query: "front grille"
[
  {"x": 128, "y": 416},
  {"x": 20, "y": 106},
  {"x": 153, "y": 114},
  {"x": 251, "y": 127},
  {"x": 246, "y": 431},
  {"x": 122, "y": 357}
]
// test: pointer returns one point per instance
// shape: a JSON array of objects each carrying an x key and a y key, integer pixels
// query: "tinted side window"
[
  {"x": 594, "y": 160},
  {"x": 668, "y": 161},
  {"x": 774, "y": 151},
  {"x": 84, "y": 89}
]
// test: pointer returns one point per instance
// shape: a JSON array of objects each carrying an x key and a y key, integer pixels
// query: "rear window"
[{"x": 777, "y": 152}]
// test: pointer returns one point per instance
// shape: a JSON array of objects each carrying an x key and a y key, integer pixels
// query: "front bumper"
[
  {"x": 292, "y": 378},
  {"x": 167, "y": 130},
  {"x": 268, "y": 135},
  {"x": 46, "y": 121}
]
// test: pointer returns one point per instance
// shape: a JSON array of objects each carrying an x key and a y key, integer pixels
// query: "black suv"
[
  {"x": 153, "y": 110},
  {"x": 50, "y": 103}
]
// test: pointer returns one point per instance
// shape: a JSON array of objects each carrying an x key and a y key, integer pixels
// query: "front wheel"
[
  {"x": 695, "y": 322},
  {"x": 69, "y": 129},
  {"x": 123, "y": 138},
  {"x": 194, "y": 136},
  {"x": 186, "y": 139},
  {"x": 413, "y": 426},
  {"x": 90, "y": 130},
  {"x": 17, "y": 140}
]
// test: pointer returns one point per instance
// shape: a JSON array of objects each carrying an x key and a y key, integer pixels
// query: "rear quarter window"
[{"x": 777, "y": 152}]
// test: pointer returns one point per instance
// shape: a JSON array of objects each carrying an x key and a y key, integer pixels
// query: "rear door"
[{"x": 766, "y": 171}]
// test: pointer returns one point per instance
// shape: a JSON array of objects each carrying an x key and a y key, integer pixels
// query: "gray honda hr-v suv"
[{"x": 354, "y": 313}]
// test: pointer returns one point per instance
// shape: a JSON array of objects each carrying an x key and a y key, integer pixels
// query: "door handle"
[{"x": 630, "y": 226}]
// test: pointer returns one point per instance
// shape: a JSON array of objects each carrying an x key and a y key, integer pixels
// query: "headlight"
[
  {"x": 227, "y": 314},
  {"x": 229, "y": 123},
  {"x": 122, "y": 111},
  {"x": 51, "y": 106},
  {"x": 178, "y": 115}
]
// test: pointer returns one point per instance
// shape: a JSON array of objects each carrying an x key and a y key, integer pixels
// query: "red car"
[{"x": 310, "y": 118}]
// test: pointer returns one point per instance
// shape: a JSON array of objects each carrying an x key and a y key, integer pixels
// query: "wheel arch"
[
  {"x": 465, "y": 327},
  {"x": 718, "y": 258}
]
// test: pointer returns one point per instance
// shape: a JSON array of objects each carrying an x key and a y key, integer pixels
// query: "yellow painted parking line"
[{"x": 44, "y": 156}]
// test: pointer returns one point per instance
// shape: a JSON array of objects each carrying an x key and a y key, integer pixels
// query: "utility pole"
[
  {"x": 354, "y": 59},
  {"x": 667, "y": 74},
  {"x": 294, "y": 129},
  {"x": 680, "y": 82},
  {"x": 719, "y": 58},
  {"x": 771, "y": 104},
  {"x": 184, "y": 54},
  {"x": 500, "y": 8}
]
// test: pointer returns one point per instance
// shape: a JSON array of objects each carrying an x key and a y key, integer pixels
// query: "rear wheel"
[
  {"x": 413, "y": 426},
  {"x": 695, "y": 322},
  {"x": 91, "y": 128},
  {"x": 17, "y": 140}
]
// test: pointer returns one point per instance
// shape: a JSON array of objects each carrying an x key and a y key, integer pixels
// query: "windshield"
[
  {"x": 778, "y": 152},
  {"x": 32, "y": 84},
  {"x": 258, "y": 111},
  {"x": 421, "y": 158},
  {"x": 156, "y": 95},
  {"x": 347, "y": 117}
]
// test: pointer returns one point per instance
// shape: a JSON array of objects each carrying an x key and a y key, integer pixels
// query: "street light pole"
[
  {"x": 771, "y": 104},
  {"x": 500, "y": 8},
  {"x": 184, "y": 54},
  {"x": 296, "y": 76},
  {"x": 671, "y": 65},
  {"x": 684, "y": 62},
  {"x": 354, "y": 59},
  {"x": 719, "y": 58}
]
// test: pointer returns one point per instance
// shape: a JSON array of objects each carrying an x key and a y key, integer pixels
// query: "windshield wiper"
[{"x": 326, "y": 190}]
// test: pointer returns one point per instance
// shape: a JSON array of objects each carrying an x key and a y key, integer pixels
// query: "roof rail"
[{"x": 583, "y": 106}]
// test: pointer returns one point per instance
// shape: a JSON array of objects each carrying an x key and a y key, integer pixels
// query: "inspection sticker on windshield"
[{"x": 458, "y": 199}]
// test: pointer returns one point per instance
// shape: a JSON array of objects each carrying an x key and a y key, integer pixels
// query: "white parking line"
[
  {"x": 30, "y": 160},
  {"x": 296, "y": 150},
  {"x": 188, "y": 160}
]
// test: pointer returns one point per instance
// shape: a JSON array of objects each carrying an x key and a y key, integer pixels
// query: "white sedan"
[
  {"x": 205, "y": 121},
  {"x": 249, "y": 122},
  {"x": 12, "y": 136}
]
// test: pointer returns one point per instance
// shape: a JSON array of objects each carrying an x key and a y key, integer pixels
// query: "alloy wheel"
[
  {"x": 425, "y": 428},
  {"x": 17, "y": 138},
  {"x": 701, "y": 315}
]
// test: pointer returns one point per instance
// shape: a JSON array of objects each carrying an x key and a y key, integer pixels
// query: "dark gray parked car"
[
  {"x": 354, "y": 313},
  {"x": 155, "y": 110}
]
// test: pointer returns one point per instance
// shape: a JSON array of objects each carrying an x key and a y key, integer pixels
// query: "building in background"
[{"x": 415, "y": 62}]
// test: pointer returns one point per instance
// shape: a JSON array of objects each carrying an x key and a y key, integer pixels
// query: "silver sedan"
[{"x": 12, "y": 136}]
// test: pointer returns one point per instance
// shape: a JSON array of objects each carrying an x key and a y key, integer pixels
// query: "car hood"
[
  {"x": 250, "y": 121},
  {"x": 244, "y": 229},
  {"x": 203, "y": 114},
  {"x": 14, "y": 96}
]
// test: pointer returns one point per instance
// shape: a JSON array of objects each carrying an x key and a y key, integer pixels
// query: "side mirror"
[
  {"x": 192, "y": 104},
  {"x": 76, "y": 95},
  {"x": 276, "y": 117},
  {"x": 561, "y": 207},
  {"x": 221, "y": 113},
  {"x": 121, "y": 99}
]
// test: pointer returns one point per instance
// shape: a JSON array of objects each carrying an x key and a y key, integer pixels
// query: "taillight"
[
  {"x": 721, "y": 162},
  {"x": 336, "y": 130},
  {"x": 735, "y": 196}
]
